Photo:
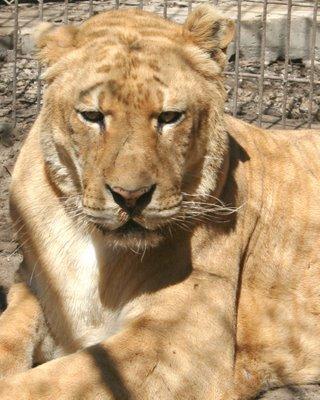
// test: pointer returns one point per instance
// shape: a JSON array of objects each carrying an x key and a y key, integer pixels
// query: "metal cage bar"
[
  {"x": 312, "y": 60},
  {"x": 286, "y": 65},
  {"x": 15, "y": 54},
  {"x": 262, "y": 60},
  {"x": 66, "y": 11},
  {"x": 90, "y": 8},
  {"x": 165, "y": 9},
  {"x": 237, "y": 59},
  {"x": 39, "y": 85}
]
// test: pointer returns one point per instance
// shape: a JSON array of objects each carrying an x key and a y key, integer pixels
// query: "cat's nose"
[{"x": 131, "y": 200}]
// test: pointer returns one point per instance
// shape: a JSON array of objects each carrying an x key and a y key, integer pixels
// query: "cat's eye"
[
  {"x": 96, "y": 117},
  {"x": 169, "y": 117}
]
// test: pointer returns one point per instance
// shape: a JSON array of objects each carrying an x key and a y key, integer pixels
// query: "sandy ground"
[{"x": 308, "y": 392}]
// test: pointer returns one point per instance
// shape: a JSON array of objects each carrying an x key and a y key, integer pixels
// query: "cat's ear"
[
  {"x": 54, "y": 42},
  {"x": 210, "y": 30}
]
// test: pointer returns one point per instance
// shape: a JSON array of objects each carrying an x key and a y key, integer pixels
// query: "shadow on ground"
[{"x": 306, "y": 392}]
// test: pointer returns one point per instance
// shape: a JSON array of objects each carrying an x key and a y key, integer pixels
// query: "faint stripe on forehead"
[
  {"x": 90, "y": 95},
  {"x": 90, "y": 89}
]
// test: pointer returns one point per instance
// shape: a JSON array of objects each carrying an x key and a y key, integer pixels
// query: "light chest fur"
[{"x": 74, "y": 260}]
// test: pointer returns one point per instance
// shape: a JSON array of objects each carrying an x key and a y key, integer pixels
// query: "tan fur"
[
  {"x": 22, "y": 329},
  {"x": 219, "y": 297}
]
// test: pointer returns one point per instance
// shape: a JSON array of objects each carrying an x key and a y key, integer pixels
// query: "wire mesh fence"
[{"x": 271, "y": 79}]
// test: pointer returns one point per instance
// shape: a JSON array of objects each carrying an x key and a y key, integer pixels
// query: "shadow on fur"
[{"x": 3, "y": 299}]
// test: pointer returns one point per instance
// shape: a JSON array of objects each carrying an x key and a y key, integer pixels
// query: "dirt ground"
[{"x": 27, "y": 88}]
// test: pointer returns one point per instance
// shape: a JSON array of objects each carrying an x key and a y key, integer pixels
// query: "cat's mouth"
[
  {"x": 131, "y": 234},
  {"x": 129, "y": 228}
]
